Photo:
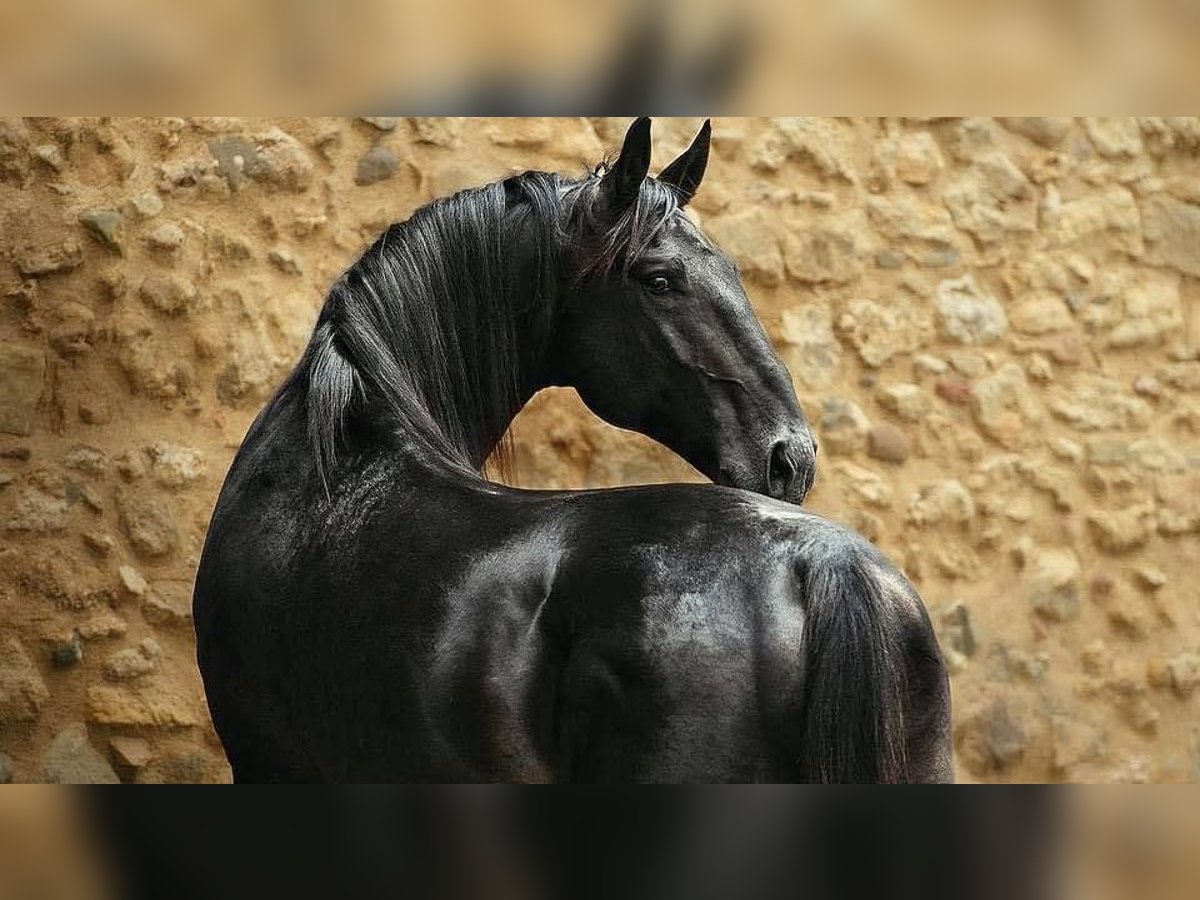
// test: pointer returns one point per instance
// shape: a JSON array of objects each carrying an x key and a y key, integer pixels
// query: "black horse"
[{"x": 368, "y": 607}]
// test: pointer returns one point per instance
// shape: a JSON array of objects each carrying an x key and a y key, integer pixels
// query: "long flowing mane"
[{"x": 422, "y": 333}]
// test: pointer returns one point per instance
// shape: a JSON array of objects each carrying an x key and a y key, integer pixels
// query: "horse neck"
[{"x": 450, "y": 337}]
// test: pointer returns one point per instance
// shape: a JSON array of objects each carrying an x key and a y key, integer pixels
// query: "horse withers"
[{"x": 369, "y": 608}]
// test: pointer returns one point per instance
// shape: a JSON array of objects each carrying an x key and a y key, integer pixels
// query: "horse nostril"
[{"x": 781, "y": 471}]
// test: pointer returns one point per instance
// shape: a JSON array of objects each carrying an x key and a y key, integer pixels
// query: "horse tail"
[{"x": 876, "y": 700}]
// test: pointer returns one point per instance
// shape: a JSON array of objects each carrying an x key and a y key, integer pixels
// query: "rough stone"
[
  {"x": 957, "y": 391},
  {"x": 1052, "y": 584},
  {"x": 1151, "y": 311},
  {"x": 94, "y": 412},
  {"x": 1119, "y": 531},
  {"x": 877, "y": 332},
  {"x": 888, "y": 443},
  {"x": 450, "y": 174},
  {"x": 74, "y": 332},
  {"x": 1039, "y": 368},
  {"x": 1076, "y": 742},
  {"x": 1040, "y": 313},
  {"x": 6, "y": 768},
  {"x": 98, "y": 543},
  {"x": 967, "y": 315},
  {"x": 281, "y": 160},
  {"x": 228, "y": 248},
  {"x": 71, "y": 759},
  {"x": 46, "y": 259},
  {"x": 944, "y": 502},
  {"x": 67, "y": 653},
  {"x": 808, "y": 346},
  {"x": 528, "y": 132},
  {"x": 908, "y": 401},
  {"x": 844, "y": 427},
  {"x": 1094, "y": 402},
  {"x": 1127, "y": 615},
  {"x": 175, "y": 466},
  {"x": 928, "y": 364},
  {"x": 822, "y": 142},
  {"x": 382, "y": 123},
  {"x": 956, "y": 630},
  {"x": 133, "y": 662},
  {"x": 89, "y": 460},
  {"x": 129, "y": 754},
  {"x": 146, "y": 707},
  {"x": 377, "y": 164},
  {"x": 1151, "y": 455},
  {"x": 22, "y": 375},
  {"x": 912, "y": 157},
  {"x": 132, "y": 581},
  {"x": 1172, "y": 232},
  {"x": 179, "y": 767},
  {"x": 749, "y": 237},
  {"x": 148, "y": 523},
  {"x": 1130, "y": 698},
  {"x": 1048, "y": 131},
  {"x": 251, "y": 370},
  {"x": 15, "y": 144},
  {"x": 992, "y": 198},
  {"x": 1004, "y": 407},
  {"x": 22, "y": 691},
  {"x": 168, "y": 294},
  {"x": 168, "y": 609},
  {"x": 1183, "y": 376},
  {"x": 166, "y": 238},
  {"x": 103, "y": 623},
  {"x": 1105, "y": 219},
  {"x": 35, "y": 509},
  {"x": 825, "y": 252},
  {"x": 1096, "y": 659},
  {"x": 863, "y": 484},
  {"x": 1183, "y": 674},
  {"x": 285, "y": 261},
  {"x": 905, "y": 218},
  {"x": 441, "y": 131},
  {"x": 989, "y": 740},
  {"x": 1178, "y": 504},
  {"x": 328, "y": 142},
  {"x": 273, "y": 158},
  {"x": 143, "y": 206},
  {"x": 1150, "y": 578},
  {"x": 1115, "y": 137},
  {"x": 107, "y": 226}
]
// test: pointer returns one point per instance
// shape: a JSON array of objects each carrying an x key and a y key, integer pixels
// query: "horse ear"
[
  {"x": 623, "y": 181},
  {"x": 686, "y": 172}
]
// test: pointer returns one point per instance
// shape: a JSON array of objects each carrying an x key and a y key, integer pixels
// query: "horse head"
[{"x": 657, "y": 333}]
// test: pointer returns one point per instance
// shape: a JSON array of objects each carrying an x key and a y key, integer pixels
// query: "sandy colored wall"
[{"x": 994, "y": 325}]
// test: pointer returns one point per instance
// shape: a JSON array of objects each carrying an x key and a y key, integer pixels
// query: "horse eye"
[{"x": 659, "y": 285}]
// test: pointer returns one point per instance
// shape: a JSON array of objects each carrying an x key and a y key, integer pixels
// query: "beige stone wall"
[{"x": 993, "y": 324}]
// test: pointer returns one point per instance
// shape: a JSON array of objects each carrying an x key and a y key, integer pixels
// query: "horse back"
[{"x": 418, "y": 627}]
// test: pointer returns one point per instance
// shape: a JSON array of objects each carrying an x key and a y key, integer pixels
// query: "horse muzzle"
[
  {"x": 791, "y": 468},
  {"x": 784, "y": 470}
]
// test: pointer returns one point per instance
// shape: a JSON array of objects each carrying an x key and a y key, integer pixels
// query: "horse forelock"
[{"x": 608, "y": 242}]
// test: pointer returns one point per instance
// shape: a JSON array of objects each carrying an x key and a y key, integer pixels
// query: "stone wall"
[{"x": 993, "y": 324}]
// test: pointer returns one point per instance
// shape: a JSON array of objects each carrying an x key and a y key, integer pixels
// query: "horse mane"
[{"x": 421, "y": 333}]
